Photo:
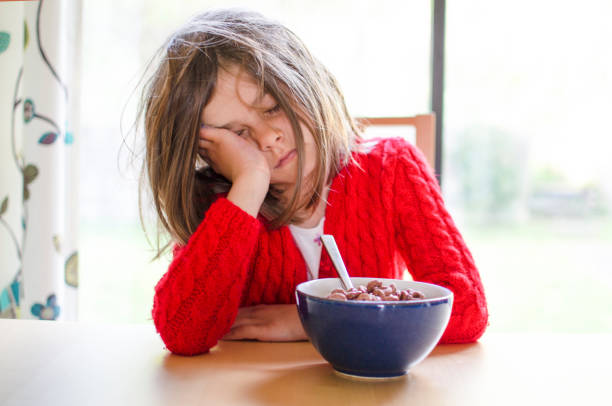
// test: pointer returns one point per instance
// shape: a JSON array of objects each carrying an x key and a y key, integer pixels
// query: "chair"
[{"x": 425, "y": 125}]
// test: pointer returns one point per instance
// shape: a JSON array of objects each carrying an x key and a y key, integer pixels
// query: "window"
[{"x": 527, "y": 168}]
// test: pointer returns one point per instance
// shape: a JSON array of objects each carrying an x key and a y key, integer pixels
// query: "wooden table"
[{"x": 50, "y": 363}]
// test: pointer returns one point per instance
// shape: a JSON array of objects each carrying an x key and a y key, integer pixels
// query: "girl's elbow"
[
  {"x": 185, "y": 349},
  {"x": 181, "y": 344},
  {"x": 467, "y": 327}
]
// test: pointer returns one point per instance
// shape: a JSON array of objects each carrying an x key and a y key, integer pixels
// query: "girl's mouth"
[{"x": 283, "y": 161}]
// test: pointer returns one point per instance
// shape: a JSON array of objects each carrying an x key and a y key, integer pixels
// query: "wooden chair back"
[{"x": 424, "y": 124}]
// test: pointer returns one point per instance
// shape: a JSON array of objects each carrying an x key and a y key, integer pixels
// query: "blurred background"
[{"x": 526, "y": 168}]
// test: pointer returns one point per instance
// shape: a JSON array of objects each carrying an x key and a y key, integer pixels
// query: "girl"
[{"x": 250, "y": 155}]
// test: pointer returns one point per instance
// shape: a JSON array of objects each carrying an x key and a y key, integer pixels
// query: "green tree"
[{"x": 490, "y": 165}]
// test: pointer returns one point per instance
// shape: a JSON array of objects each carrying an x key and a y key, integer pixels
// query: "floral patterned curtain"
[{"x": 39, "y": 49}]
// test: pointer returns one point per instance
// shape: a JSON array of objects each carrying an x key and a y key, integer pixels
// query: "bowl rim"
[{"x": 412, "y": 303}]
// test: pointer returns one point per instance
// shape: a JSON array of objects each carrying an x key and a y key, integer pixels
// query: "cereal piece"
[
  {"x": 372, "y": 285},
  {"x": 417, "y": 295},
  {"x": 375, "y": 291},
  {"x": 352, "y": 294},
  {"x": 378, "y": 292},
  {"x": 365, "y": 296},
  {"x": 391, "y": 297},
  {"x": 405, "y": 295}
]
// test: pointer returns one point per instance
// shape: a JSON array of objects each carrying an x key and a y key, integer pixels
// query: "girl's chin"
[
  {"x": 286, "y": 182},
  {"x": 282, "y": 185}
]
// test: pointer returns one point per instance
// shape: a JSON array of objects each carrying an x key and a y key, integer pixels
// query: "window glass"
[{"x": 527, "y": 172}]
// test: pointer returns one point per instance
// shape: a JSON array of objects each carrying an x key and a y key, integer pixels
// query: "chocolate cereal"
[{"x": 376, "y": 291}]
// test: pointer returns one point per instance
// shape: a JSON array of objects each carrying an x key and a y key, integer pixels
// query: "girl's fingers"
[
  {"x": 203, "y": 154},
  {"x": 206, "y": 135},
  {"x": 245, "y": 311},
  {"x": 243, "y": 322},
  {"x": 249, "y": 332},
  {"x": 267, "y": 323},
  {"x": 204, "y": 144},
  {"x": 245, "y": 326},
  {"x": 244, "y": 317},
  {"x": 212, "y": 133}
]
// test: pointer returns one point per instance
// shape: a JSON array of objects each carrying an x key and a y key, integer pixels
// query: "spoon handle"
[{"x": 334, "y": 253}]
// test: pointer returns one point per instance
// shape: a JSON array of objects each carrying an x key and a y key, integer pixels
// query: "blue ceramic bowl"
[{"x": 373, "y": 339}]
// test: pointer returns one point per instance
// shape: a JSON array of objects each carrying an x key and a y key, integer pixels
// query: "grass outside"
[
  {"x": 117, "y": 275},
  {"x": 545, "y": 275}
]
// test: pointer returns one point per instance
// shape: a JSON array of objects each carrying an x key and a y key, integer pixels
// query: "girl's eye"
[
  {"x": 273, "y": 110},
  {"x": 240, "y": 133}
]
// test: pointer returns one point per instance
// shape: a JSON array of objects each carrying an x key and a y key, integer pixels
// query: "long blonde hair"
[{"x": 181, "y": 86}]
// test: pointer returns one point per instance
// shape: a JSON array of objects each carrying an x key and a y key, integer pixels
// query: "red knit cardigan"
[{"x": 386, "y": 213}]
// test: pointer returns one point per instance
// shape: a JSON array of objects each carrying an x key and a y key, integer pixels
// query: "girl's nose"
[{"x": 268, "y": 137}]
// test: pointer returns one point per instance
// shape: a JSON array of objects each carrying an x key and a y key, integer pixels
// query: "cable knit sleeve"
[
  {"x": 430, "y": 243},
  {"x": 197, "y": 300}
]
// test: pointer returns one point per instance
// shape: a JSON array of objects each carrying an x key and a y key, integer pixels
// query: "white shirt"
[{"x": 308, "y": 240}]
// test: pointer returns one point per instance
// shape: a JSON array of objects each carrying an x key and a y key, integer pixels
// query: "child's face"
[{"x": 235, "y": 105}]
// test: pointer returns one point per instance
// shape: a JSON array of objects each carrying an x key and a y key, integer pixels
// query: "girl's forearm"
[{"x": 196, "y": 301}]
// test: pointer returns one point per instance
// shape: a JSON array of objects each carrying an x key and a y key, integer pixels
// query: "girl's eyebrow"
[
  {"x": 262, "y": 96},
  {"x": 228, "y": 126},
  {"x": 221, "y": 127}
]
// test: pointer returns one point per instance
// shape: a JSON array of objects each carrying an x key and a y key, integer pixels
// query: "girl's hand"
[
  {"x": 241, "y": 162},
  {"x": 267, "y": 323},
  {"x": 231, "y": 155}
]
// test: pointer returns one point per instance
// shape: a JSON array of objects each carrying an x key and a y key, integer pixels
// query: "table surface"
[{"x": 88, "y": 364}]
